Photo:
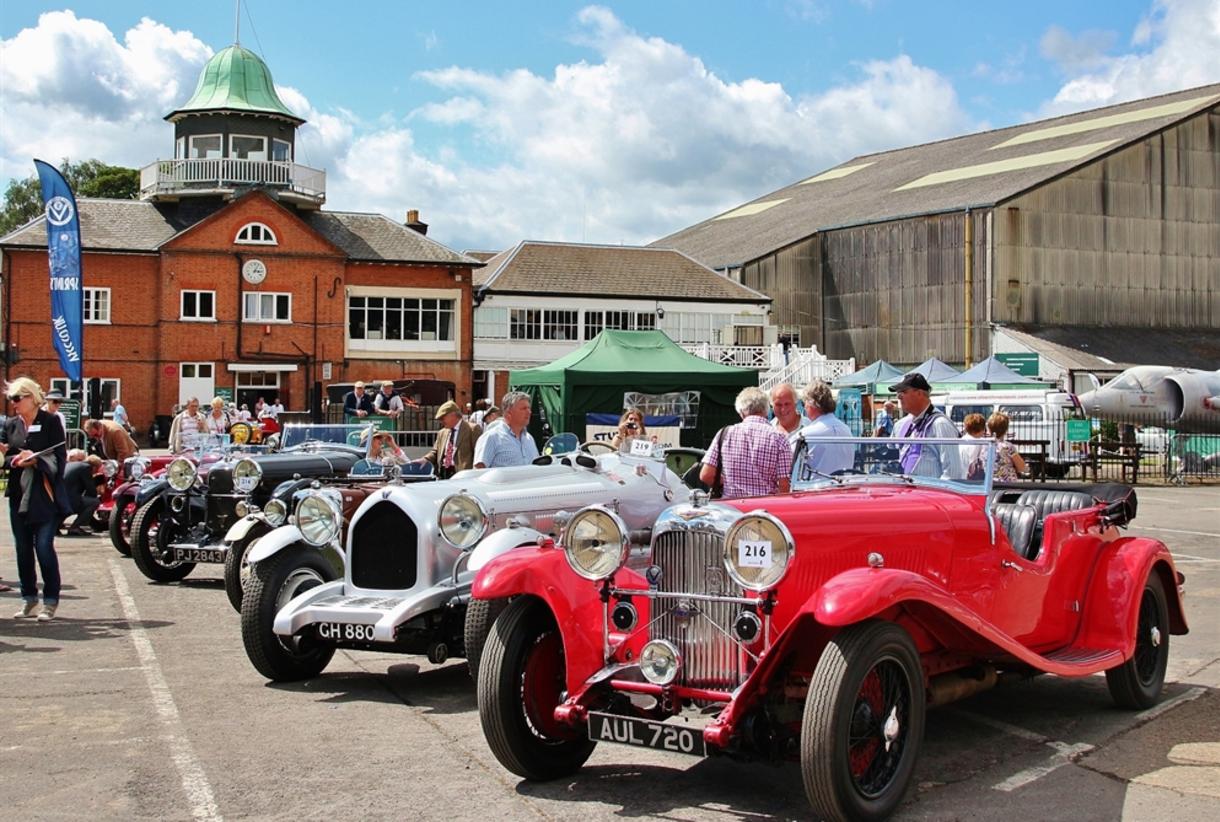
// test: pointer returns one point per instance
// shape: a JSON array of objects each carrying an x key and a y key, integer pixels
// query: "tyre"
[
  {"x": 270, "y": 586},
  {"x": 150, "y": 545},
  {"x": 521, "y": 680},
  {"x": 863, "y": 723},
  {"x": 120, "y": 524},
  {"x": 480, "y": 614},
  {"x": 237, "y": 571},
  {"x": 1137, "y": 683}
]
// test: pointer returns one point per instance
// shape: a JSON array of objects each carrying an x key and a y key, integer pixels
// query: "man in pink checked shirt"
[{"x": 755, "y": 459}]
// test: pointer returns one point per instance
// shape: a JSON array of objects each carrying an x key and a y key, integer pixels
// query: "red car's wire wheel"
[
  {"x": 878, "y": 732},
  {"x": 542, "y": 686},
  {"x": 1149, "y": 638}
]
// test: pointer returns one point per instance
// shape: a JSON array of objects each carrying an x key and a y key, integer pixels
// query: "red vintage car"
[{"x": 819, "y": 626}]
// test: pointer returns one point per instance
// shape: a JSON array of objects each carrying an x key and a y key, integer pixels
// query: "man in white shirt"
[
  {"x": 824, "y": 459},
  {"x": 924, "y": 421},
  {"x": 387, "y": 403},
  {"x": 272, "y": 409},
  {"x": 787, "y": 420}
]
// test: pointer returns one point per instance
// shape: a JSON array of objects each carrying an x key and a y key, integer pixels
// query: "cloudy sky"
[{"x": 610, "y": 123}]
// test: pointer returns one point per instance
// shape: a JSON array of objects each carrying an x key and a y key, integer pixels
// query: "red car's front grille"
[{"x": 692, "y": 563}]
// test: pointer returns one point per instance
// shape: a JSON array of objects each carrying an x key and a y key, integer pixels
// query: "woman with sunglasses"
[{"x": 35, "y": 453}]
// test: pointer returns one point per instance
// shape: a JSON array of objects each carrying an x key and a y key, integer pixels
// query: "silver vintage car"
[{"x": 412, "y": 551}]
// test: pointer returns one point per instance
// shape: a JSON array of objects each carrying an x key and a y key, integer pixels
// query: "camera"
[{"x": 631, "y": 426}]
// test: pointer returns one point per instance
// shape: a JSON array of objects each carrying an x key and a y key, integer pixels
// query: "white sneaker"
[
  {"x": 48, "y": 613},
  {"x": 27, "y": 610}
]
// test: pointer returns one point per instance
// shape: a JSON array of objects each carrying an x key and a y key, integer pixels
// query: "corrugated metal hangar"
[{"x": 1102, "y": 222}]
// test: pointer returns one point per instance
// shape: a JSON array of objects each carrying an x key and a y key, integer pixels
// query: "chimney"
[{"x": 413, "y": 222}]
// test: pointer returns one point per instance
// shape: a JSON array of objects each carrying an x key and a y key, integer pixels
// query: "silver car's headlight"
[
  {"x": 137, "y": 468},
  {"x": 246, "y": 475},
  {"x": 180, "y": 474},
  {"x": 317, "y": 519},
  {"x": 276, "y": 512},
  {"x": 109, "y": 468},
  {"x": 660, "y": 662},
  {"x": 462, "y": 521},
  {"x": 596, "y": 542},
  {"x": 757, "y": 551}
]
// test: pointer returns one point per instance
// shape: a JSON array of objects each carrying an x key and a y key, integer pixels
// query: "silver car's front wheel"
[{"x": 273, "y": 583}]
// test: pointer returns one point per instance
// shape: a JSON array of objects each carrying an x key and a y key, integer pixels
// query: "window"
[
  {"x": 180, "y": 148},
  {"x": 205, "y": 146},
  {"x": 281, "y": 151},
  {"x": 97, "y": 305},
  {"x": 245, "y": 147},
  {"x": 491, "y": 323},
  {"x": 595, "y": 321},
  {"x": 560, "y": 325},
  {"x": 250, "y": 385},
  {"x": 688, "y": 327},
  {"x": 525, "y": 324},
  {"x": 256, "y": 234},
  {"x": 198, "y": 305},
  {"x": 109, "y": 388},
  {"x": 400, "y": 318},
  {"x": 264, "y": 307}
]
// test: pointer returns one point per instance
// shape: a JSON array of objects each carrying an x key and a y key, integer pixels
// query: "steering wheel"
[{"x": 597, "y": 447}]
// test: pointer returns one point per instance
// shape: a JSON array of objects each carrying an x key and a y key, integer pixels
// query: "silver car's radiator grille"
[{"x": 691, "y": 562}]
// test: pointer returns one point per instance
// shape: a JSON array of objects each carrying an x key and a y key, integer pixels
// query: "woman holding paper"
[{"x": 35, "y": 452}]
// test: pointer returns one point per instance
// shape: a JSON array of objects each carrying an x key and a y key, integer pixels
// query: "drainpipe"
[{"x": 969, "y": 296}]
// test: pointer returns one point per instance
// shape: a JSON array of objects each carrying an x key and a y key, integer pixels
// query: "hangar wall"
[{"x": 1132, "y": 240}]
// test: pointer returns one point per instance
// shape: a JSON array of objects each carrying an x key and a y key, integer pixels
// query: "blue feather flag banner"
[{"x": 63, "y": 249}]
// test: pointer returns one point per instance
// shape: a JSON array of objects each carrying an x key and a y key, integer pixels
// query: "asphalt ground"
[{"x": 138, "y": 702}]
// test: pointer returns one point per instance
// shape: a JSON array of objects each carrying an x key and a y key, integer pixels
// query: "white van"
[{"x": 1033, "y": 415}]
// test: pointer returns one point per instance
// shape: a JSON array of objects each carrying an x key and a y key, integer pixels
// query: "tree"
[{"x": 90, "y": 178}]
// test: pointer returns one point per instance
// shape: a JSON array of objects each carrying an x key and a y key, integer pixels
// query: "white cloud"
[
  {"x": 70, "y": 89},
  {"x": 1176, "y": 46},
  {"x": 636, "y": 141}
]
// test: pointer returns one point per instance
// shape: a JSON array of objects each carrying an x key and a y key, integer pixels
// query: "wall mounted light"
[{"x": 660, "y": 311}]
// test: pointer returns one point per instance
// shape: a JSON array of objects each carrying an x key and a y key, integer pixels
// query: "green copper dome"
[{"x": 237, "y": 80}]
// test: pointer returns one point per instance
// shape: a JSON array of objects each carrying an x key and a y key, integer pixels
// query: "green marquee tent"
[{"x": 594, "y": 378}]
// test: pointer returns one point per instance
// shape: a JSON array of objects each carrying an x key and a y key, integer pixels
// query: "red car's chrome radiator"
[{"x": 692, "y": 562}]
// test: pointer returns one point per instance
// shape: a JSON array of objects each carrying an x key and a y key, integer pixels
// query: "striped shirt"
[{"x": 756, "y": 458}]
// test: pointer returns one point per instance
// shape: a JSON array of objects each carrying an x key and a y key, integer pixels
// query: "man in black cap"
[{"x": 923, "y": 421}]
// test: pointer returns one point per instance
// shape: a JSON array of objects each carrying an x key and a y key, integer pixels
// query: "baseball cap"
[{"x": 912, "y": 380}]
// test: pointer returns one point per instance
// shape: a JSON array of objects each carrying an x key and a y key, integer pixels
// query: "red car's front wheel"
[
  {"x": 521, "y": 682},
  {"x": 863, "y": 722},
  {"x": 1138, "y": 682}
]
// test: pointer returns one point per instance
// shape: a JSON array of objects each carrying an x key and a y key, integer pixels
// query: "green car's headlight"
[
  {"x": 276, "y": 512},
  {"x": 757, "y": 551},
  {"x": 595, "y": 542},
  {"x": 246, "y": 475},
  {"x": 462, "y": 521},
  {"x": 317, "y": 519},
  {"x": 180, "y": 474}
]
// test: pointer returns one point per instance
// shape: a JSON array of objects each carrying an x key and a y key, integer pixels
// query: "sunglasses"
[{"x": 16, "y": 397}]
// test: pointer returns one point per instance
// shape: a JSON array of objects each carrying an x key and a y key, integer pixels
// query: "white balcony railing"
[
  {"x": 172, "y": 176},
  {"x": 800, "y": 366}
]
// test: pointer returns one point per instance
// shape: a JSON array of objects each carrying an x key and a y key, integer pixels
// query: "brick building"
[{"x": 229, "y": 276}]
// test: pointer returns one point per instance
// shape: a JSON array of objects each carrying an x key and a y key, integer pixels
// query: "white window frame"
[
  {"x": 190, "y": 148},
  {"x": 182, "y": 306},
  {"x": 491, "y": 323},
  {"x": 275, "y": 140},
  {"x": 89, "y": 298},
  {"x": 64, "y": 386},
  {"x": 180, "y": 148},
  {"x": 233, "y": 152},
  {"x": 248, "y": 230},
  {"x": 398, "y": 349},
  {"x": 257, "y": 317}
]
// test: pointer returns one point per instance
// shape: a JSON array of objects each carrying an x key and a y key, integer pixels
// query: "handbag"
[{"x": 717, "y": 489}]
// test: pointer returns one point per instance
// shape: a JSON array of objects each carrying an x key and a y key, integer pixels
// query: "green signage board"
[
  {"x": 225, "y": 394},
  {"x": 1079, "y": 430},
  {"x": 1025, "y": 364},
  {"x": 71, "y": 411}
]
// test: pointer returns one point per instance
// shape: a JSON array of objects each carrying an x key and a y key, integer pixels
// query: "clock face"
[{"x": 254, "y": 271}]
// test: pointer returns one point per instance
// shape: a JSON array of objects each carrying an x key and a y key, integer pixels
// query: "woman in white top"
[
  {"x": 217, "y": 421},
  {"x": 187, "y": 428}
]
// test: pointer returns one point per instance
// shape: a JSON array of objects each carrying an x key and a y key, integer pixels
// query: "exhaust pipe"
[{"x": 957, "y": 685}]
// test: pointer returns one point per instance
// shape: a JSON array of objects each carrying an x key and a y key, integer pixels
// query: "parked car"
[
  {"x": 818, "y": 625},
  {"x": 412, "y": 551},
  {"x": 120, "y": 509},
  {"x": 182, "y": 518},
  {"x": 276, "y": 525}
]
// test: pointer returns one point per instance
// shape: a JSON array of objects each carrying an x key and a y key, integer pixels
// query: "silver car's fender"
[
  {"x": 500, "y": 542},
  {"x": 274, "y": 542},
  {"x": 240, "y": 529}
]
